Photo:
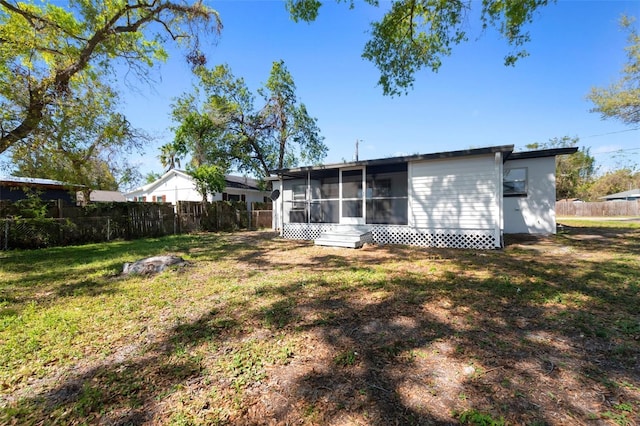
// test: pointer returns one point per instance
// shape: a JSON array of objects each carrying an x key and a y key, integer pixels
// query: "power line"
[
  {"x": 610, "y": 133},
  {"x": 616, "y": 151}
]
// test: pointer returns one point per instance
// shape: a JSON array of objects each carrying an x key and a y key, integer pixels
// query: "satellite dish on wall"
[{"x": 275, "y": 194}]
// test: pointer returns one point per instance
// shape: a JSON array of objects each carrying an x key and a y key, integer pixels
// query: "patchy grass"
[
  {"x": 260, "y": 329},
  {"x": 601, "y": 222}
]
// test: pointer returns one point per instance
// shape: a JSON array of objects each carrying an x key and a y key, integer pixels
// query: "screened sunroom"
[{"x": 349, "y": 196}]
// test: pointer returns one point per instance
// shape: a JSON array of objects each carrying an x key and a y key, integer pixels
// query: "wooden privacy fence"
[
  {"x": 56, "y": 225},
  {"x": 597, "y": 209},
  {"x": 91, "y": 224},
  {"x": 261, "y": 219},
  {"x": 217, "y": 216}
]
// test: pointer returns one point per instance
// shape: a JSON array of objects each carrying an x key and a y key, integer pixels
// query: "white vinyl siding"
[
  {"x": 455, "y": 194},
  {"x": 534, "y": 212}
]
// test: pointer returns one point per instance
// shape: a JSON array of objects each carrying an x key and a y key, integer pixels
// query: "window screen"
[{"x": 514, "y": 181}]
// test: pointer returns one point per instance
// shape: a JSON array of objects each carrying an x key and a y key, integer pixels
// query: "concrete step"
[
  {"x": 351, "y": 238},
  {"x": 340, "y": 236},
  {"x": 338, "y": 243}
]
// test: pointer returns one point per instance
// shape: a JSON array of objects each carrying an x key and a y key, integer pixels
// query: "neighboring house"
[
  {"x": 467, "y": 198},
  {"x": 17, "y": 188},
  {"x": 100, "y": 196},
  {"x": 570, "y": 200},
  {"x": 630, "y": 195},
  {"x": 177, "y": 185}
]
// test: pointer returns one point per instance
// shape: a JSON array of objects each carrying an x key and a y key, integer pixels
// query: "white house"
[
  {"x": 178, "y": 185},
  {"x": 100, "y": 196},
  {"x": 630, "y": 195},
  {"x": 466, "y": 199}
]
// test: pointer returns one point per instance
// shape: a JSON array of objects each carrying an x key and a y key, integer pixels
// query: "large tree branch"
[
  {"x": 34, "y": 113},
  {"x": 58, "y": 82},
  {"x": 31, "y": 18},
  {"x": 259, "y": 153}
]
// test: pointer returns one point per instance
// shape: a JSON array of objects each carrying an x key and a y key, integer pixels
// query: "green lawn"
[
  {"x": 600, "y": 222},
  {"x": 258, "y": 328}
]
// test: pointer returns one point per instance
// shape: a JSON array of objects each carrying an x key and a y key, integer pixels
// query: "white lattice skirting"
[{"x": 396, "y": 234}]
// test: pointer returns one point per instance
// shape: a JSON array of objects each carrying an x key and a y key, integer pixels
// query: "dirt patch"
[{"x": 546, "y": 331}]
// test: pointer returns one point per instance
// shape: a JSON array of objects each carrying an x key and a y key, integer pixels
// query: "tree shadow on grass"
[
  {"x": 126, "y": 387},
  {"x": 617, "y": 240},
  {"x": 528, "y": 351},
  {"x": 386, "y": 335},
  {"x": 500, "y": 357}
]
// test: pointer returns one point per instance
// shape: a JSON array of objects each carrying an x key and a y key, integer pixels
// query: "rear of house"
[{"x": 449, "y": 199}]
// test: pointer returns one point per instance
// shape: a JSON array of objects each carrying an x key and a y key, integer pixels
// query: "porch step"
[{"x": 349, "y": 238}]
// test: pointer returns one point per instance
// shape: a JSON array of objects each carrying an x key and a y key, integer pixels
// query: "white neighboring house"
[
  {"x": 630, "y": 195},
  {"x": 178, "y": 185},
  {"x": 101, "y": 196}
]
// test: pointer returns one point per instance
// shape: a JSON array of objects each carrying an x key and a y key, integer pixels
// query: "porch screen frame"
[
  {"x": 394, "y": 193},
  {"x": 325, "y": 205},
  {"x": 354, "y": 220}
]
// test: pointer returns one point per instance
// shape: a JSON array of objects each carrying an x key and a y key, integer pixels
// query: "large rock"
[{"x": 152, "y": 265}]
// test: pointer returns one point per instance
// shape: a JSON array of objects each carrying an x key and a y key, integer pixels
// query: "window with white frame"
[
  {"x": 514, "y": 181},
  {"x": 299, "y": 197}
]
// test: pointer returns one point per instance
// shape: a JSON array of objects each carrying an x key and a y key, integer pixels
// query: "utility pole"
[{"x": 356, "y": 155}]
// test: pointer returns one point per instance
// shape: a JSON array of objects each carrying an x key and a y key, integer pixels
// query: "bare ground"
[{"x": 546, "y": 331}]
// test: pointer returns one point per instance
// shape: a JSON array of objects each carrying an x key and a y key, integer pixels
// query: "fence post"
[
  {"x": 108, "y": 228},
  {"x": 6, "y": 234}
]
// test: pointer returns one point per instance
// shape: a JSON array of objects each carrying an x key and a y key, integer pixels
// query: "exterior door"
[{"x": 352, "y": 196}]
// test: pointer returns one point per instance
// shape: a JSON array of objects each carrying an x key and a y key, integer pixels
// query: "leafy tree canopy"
[
  {"x": 195, "y": 134},
  {"x": 417, "y": 34},
  {"x": 152, "y": 177},
  {"x": 209, "y": 179},
  {"x": 613, "y": 182},
  {"x": 219, "y": 123},
  {"x": 169, "y": 156},
  {"x": 84, "y": 142},
  {"x": 50, "y": 51},
  {"x": 621, "y": 100},
  {"x": 574, "y": 172}
]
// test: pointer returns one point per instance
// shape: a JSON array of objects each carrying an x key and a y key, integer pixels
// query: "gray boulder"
[{"x": 152, "y": 265}]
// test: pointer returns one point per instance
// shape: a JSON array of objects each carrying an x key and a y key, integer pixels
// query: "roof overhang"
[
  {"x": 541, "y": 153},
  {"x": 297, "y": 172},
  {"x": 632, "y": 193}
]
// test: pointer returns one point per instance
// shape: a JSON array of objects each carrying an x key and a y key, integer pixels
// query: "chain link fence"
[{"x": 31, "y": 233}]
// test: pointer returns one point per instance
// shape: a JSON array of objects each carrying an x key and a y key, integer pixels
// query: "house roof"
[
  {"x": 239, "y": 182},
  {"x": 507, "y": 150},
  {"x": 36, "y": 182},
  {"x": 632, "y": 193},
  {"x": 298, "y": 171},
  {"x": 103, "y": 196},
  {"x": 540, "y": 153},
  {"x": 242, "y": 182}
]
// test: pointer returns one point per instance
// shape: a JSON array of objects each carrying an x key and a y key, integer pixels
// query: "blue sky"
[{"x": 473, "y": 101}]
